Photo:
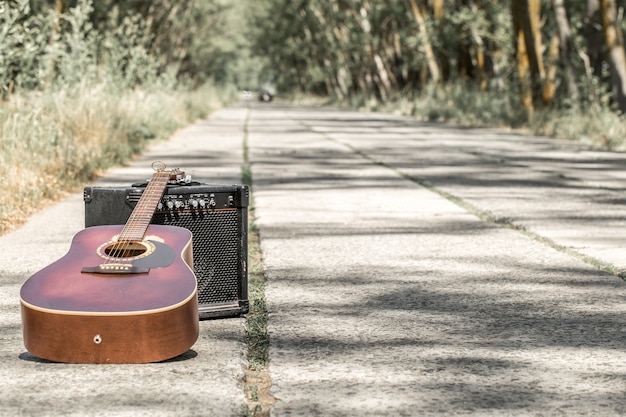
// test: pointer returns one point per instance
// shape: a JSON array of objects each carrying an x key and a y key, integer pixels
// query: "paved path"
[
  {"x": 420, "y": 269},
  {"x": 413, "y": 269}
]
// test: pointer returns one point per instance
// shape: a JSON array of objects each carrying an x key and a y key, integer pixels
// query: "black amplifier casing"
[{"x": 216, "y": 215}]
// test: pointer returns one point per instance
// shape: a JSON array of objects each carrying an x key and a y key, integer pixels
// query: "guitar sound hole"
[{"x": 125, "y": 250}]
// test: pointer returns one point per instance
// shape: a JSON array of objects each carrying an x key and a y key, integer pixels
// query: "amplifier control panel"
[
  {"x": 113, "y": 205},
  {"x": 194, "y": 198},
  {"x": 196, "y": 202}
]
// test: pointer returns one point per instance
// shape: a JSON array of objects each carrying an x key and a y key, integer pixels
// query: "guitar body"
[{"x": 141, "y": 306}]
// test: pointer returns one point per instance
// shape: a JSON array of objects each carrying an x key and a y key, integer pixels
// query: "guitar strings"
[{"x": 139, "y": 221}]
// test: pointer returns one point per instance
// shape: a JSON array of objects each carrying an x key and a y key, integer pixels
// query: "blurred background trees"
[
  {"x": 511, "y": 61},
  {"x": 44, "y": 42},
  {"x": 540, "y": 53},
  {"x": 86, "y": 84}
]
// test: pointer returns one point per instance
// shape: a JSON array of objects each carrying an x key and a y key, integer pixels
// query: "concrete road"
[
  {"x": 413, "y": 269},
  {"x": 419, "y": 269}
]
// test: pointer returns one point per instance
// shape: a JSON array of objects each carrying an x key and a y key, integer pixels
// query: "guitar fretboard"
[{"x": 140, "y": 218}]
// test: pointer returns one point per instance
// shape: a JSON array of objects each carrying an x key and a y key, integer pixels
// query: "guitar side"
[{"x": 84, "y": 317}]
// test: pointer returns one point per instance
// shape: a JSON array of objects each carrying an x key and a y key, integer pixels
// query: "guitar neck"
[{"x": 139, "y": 220}]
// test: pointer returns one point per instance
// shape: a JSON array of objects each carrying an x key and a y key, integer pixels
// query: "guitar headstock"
[{"x": 176, "y": 175}]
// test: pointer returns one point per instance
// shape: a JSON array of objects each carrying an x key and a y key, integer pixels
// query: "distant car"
[{"x": 265, "y": 96}]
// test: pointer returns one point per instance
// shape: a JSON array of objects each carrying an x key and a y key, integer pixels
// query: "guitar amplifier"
[{"x": 216, "y": 215}]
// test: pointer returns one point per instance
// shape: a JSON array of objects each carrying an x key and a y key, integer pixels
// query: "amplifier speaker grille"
[
  {"x": 219, "y": 235},
  {"x": 213, "y": 260}
]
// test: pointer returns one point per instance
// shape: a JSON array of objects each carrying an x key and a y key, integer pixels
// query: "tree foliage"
[
  {"x": 48, "y": 43},
  {"x": 543, "y": 53},
  {"x": 555, "y": 54}
]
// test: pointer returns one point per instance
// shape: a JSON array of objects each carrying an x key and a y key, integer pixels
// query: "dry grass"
[
  {"x": 595, "y": 125},
  {"x": 55, "y": 142}
]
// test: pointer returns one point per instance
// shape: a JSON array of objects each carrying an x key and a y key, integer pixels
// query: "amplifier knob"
[
  {"x": 202, "y": 203},
  {"x": 170, "y": 205},
  {"x": 194, "y": 203},
  {"x": 160, "y": 206},
  {"x": 178, "y": 204}
]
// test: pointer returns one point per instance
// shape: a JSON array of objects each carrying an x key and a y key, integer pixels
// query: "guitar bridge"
[{"x": 114, "y": 268}]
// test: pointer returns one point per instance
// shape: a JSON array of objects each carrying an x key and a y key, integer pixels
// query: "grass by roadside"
[
  {"x": 55, "y": 142},
  {"x": 464, "y": 104},
  {"x": 257, "y": 381}
]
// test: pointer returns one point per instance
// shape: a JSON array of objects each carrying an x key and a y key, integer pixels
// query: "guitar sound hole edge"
[{"x": 131, "y": 250}]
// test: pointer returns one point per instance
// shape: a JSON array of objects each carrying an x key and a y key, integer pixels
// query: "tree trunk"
[
  {"x": 383, "y": 75},
  {"x": 532, "y": 36},
  {"x": 442, "y": 58},
  {"x": 614, "y": 42},
  {"x": 518, "y": 14},
  {"x": 526, "y": 29},
  {"x": 433, "y": 67},
  {"x": 60, "y": 6},
  {"x": 438, "y": 9},
  {"x": 479, "y": 45},
  {"x": 566, "y": 50},
  {"x": 594, "y": 36},
  {"x": 552, "y": 64}
]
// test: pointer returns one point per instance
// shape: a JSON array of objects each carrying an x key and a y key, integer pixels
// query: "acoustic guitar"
[{"x": 122, "y": 294}]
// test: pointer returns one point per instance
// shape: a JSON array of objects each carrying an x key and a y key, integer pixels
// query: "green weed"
[{"x": 257, "y": 378}]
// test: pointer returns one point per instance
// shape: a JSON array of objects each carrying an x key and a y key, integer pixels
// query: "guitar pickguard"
[{"x": 161, "y": 257}]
